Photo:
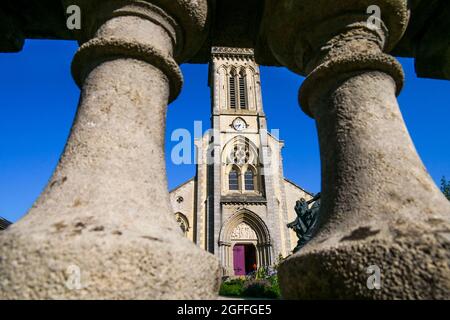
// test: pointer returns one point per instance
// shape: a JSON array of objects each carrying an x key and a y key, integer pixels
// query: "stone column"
[
  {"x": 270, "y": 255},
  {"x": 380, "y": 209},
  {"x": 103, "y": 227},
  {"x": 228, "y": 266},
  {"x": 264, "y": 250},
  {"x": 260, "y": 255}
]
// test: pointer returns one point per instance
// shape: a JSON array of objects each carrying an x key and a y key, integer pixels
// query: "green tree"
[{"x": 445, "y": 187}]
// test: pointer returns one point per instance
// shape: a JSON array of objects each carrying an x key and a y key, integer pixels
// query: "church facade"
[{"x": 239, "y": 202}]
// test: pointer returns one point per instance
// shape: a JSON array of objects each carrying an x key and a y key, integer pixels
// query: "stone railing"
[
  {"x": 105, "y": 213},
  {"x": 379, "y": 207}
]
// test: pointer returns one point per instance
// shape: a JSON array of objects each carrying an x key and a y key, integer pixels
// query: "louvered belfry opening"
[
  {"x": 242, "y": 92},
  {"x": 237, "y": 90},
  {"x": 232, "y": 92}
]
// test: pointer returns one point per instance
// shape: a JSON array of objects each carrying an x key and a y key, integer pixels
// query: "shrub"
[
  {"x": 232, "y": 288},
  {"x": 275, "y": 286},
  {"x": 262, "y": 288},
  {"x": 262, "y": 283},
  {"x": 262, "y": 273}
]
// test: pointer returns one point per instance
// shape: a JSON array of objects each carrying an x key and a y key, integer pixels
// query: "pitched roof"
[
  {"x": 297, "y": 186},
  {"x": 179, "y": 186}
]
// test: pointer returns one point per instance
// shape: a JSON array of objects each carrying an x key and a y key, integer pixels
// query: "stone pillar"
[
  {"x": 229, "y": 270},
  {"x": 380, "y": 208},
  {"x": 264, "y": 250},
  {"x": 103, "y": 227},
  {"x": 270, "y": 255},
  {"x": 268, "y": 174},
  {"x": 260, "y": 255}
]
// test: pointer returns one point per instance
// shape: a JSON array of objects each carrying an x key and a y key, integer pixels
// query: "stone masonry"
[{"x": 106, "y": 211}]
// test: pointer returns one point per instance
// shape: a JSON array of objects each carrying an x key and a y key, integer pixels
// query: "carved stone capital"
[
  {"x": 185, "y": 21},
  {"x": 341, "y": 45},
  {"x": 150, "y": 31},
  {"x": 288, "y": 22},
  {"x": 322, "y": 39},
  {"x": 100, "y": 49}
]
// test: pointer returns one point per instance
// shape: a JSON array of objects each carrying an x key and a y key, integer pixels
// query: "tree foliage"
[{"x": 445, "y": 187}]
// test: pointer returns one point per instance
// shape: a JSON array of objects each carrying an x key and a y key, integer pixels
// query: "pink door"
[{"x": 239, "y": 260}]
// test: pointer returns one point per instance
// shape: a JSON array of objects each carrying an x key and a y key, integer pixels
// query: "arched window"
[
  {"x": 249, "y": 179},
  {"x": 233, "y": 180}
]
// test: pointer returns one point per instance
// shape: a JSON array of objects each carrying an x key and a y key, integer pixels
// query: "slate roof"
[{"x": 4, "y": 223}]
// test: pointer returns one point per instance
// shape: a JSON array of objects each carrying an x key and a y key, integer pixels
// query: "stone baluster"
[
  {"x": 380, "y": 210},
  {"x": 103, "y": 227}
]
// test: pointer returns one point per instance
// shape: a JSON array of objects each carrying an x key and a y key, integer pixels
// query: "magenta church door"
[
  {"x": 244, "y": 259},
  {"x": 239, "y": 260}
]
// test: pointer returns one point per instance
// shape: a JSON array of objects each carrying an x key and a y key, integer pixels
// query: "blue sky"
[{"x": 38, "y": 100}]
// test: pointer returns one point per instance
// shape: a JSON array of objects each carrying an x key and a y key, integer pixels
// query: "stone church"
[{"x": 239, "y": 202}]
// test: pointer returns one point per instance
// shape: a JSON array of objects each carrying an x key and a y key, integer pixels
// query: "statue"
[{"x": 305, "y": 225}]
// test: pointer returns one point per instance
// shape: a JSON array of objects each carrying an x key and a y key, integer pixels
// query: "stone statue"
[{"x": 305, "y": 224}]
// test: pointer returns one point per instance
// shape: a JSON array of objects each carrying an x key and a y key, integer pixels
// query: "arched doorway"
[
  {"x": 244, "y": 243},
  {"x": 244, "y": 259}
]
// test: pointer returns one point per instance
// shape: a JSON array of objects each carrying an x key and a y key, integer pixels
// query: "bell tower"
[
  {"x": 239, "y": 185},
  {"x": 235, "y": 84},
  {"x": 239, "y": 203}
]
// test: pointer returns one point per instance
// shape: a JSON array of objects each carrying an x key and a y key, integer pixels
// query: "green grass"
[{"x": 251, "y": 288}]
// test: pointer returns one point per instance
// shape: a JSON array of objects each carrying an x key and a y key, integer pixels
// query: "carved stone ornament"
[{"x": 243, "y": 231}]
